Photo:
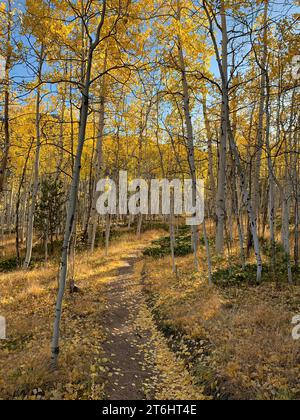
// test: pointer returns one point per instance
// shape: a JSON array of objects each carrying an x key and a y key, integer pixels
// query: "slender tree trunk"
[
  {"x": 61, "y": 134},
  {"x": 220, "y": 200},
  {"x": 271, "y": 197},
  {"x": 212, "y": 182},
  {"x": 140, "y": 155},
  {"x": 71, "y": 211},
  {"x": 6, "y": 148},
  {"x": 98, "y": 162},
  {"x": 35, "y": 186},
  {"x": 262, "y": 102},
  {"x": 190, "y": 137},
  {"x": 18, "y": 202}
]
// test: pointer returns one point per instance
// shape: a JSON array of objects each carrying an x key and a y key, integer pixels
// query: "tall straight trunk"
[
  {"x": 35, "y": 185},
  {"x": 172, "y": 203},
  {"x": 6, "y": 148},
  {"x": 247, "y": 201},
  {"x": 260, "y": 131},
  {"x": 92, "y": 229},
  {"x": 271, "y": 197},
  {"x": 72, "y": 134},
  {"x": 220, "y": 199},
  {"x": 209, "y": 134},
  {"x": 143, "y": 127},
  {"x": 89, "y": 189},
  {"x": 71, "y": 211},
  {"x": 190, "y": 137},
  {"x": 18, "y": 203},
  {"x": 61, "y": 134}
]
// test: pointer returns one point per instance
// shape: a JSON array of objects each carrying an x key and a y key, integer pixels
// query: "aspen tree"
[
  {"x": 7, "y": 87},
  {"x": 71, "y": 211}
]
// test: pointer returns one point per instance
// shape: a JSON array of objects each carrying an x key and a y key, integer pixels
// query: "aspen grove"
[{"x": 168, "y": 92}]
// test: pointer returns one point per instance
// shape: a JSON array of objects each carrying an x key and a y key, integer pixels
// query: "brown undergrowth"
[
  {"x": 236, "y": 340},
  {"x": 27, "y": 302}
]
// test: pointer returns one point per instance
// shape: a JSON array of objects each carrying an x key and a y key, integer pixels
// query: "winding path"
[{"x": 139, "y": 363}]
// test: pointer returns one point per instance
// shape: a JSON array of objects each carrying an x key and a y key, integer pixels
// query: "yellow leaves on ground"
[
  {"x": 242, "y": 334},
  {"x": 27, "y": 301},
  {"x": 172, "y": 381}
]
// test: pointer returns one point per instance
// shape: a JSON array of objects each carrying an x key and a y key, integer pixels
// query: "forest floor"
[
  {"x": 140, "y": 364},
  {"x": 235, "y": 337},
  {"x": 110, "y": 345},
  {"x": 137, "y": 331}
]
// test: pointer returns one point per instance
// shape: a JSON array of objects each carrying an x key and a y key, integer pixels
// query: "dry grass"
[
  {"x": 241, "y": 334},
  {"x": 27, "y": 301},
  {"x": 245, "y": 331},
  {"x": 7, "y": 246}
]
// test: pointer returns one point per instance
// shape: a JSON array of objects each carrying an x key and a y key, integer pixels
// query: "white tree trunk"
[
  {"x": 35, "y": 187},
  {"x": 6, "y": 148},
  {"x": 92, "y": 230},
  {"x": 220, "y": 199},
  {"x": 71, "y": 211},
  {"x": 190, "y": 138},
  {"x": 261, "y": 114}
]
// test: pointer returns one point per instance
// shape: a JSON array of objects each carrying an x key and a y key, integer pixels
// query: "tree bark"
[
  {"x": 98, "y": 162},
  {"x": 6, "y": 148},
  {"x": 220, "y": 199},
  {"x": 71, "y": 211},
  {"x": 262, "y": 102},
  {"x": 35, "y": 186},
  {"x": 190, "y": 136}
]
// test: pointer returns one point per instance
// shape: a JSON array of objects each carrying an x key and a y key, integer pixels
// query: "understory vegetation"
[
  {"x": 27, "y": 303},
  {"x": 235, "y": 338}
]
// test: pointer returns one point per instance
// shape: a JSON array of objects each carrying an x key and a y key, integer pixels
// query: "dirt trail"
[
  {"x": 127, "y": 371},
  {"x": 139, "y": 363}
]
